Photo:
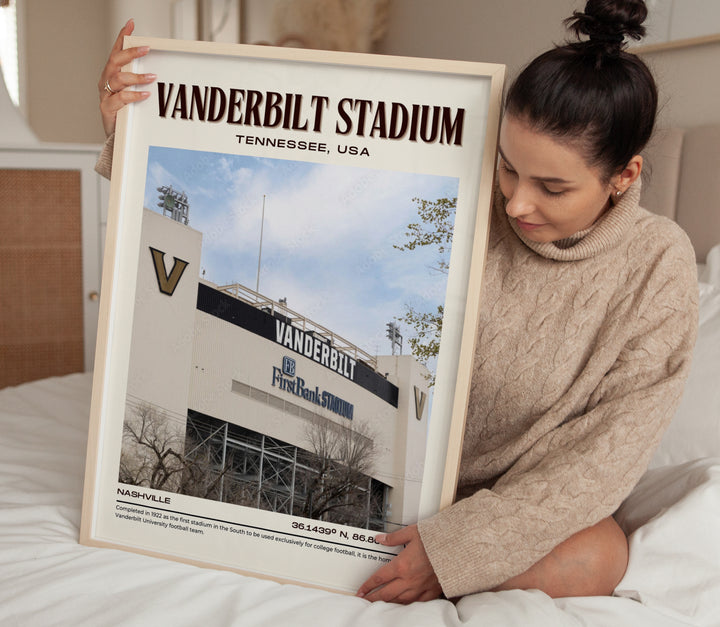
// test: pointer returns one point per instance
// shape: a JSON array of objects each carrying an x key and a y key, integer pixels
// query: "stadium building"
[{"x": 284, "y": 413}]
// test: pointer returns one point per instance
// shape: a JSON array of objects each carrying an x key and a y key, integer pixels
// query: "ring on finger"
[{"x": 109, "y": 89}]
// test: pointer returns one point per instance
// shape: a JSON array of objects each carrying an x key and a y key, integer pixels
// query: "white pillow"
[
  {"x": 695, "y": 429},
  {"x": 674, "y": 517},
  {"x": 709, "y": 272}
]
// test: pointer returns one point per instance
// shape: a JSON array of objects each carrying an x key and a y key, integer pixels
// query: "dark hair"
[{"x": 592, "y": 91}]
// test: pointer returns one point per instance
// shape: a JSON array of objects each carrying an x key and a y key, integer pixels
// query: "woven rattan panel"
[{"x": 41, "y": 312}]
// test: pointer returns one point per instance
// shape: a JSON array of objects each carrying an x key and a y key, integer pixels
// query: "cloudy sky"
[{"x": 328, "y": 235}]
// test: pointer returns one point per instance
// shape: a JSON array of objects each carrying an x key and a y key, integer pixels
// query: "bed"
[{"x": 47, "y": 578}]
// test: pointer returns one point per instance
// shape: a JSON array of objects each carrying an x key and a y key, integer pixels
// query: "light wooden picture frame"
[{"x": 248, "y": 410}]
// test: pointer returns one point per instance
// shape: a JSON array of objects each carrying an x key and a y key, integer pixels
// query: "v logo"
[
  {"x": 167, "y": 282},
  {"x": 420, "y": 398}
]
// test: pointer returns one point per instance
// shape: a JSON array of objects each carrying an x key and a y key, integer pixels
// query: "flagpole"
[{"x": 262, "y": 224}]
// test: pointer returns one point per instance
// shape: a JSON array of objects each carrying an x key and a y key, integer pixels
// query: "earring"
[{"x": 618, "y": 193}]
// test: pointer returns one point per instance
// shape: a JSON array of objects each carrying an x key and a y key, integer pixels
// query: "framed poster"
[{"x": 253, "y": 408}]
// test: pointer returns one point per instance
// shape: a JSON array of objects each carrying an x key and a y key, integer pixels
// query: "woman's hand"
[
  {"x": 408, "y": 577},
  {"x": 112, "y": 83}
]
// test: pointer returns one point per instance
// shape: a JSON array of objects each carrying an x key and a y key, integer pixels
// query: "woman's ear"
[{"x": 629, "y": 174}]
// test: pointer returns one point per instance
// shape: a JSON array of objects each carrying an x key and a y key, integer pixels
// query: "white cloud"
[{"x": 327, "y": 236}]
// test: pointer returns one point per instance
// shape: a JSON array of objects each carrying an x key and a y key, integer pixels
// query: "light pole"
[{"x": 262, "y": 225}]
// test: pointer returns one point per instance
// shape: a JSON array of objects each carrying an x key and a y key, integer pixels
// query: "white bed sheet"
[{"x": 47, "y": 578}]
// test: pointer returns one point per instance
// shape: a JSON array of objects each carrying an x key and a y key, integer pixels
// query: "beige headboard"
[{"x": 683, "y": 182}]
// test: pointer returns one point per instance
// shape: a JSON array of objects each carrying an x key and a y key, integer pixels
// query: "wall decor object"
[{"x": 255, "y": 403}]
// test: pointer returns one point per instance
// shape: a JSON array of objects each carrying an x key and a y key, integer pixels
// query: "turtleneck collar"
[{"x": 604, "y": 235}]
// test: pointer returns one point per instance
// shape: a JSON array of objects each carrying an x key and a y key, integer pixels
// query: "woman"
[
  {"x": 587, "y": 326},
  {"x": 588, "y": 320}
]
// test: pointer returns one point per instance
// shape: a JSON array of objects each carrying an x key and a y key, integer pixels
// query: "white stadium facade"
[{"x": 263, "y": 394}]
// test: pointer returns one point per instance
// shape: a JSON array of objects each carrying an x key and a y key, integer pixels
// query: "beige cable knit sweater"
[
  {"x": 582, "y": 353},
  {"x": 104, "y": 163}
]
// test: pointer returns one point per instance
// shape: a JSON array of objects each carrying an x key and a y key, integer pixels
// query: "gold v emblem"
[
  {"x": 167, "y": 282},
  {"x": 420, "y": 398}
]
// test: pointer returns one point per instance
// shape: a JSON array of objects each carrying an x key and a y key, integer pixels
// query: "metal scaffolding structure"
[{"x": 266, "y": 473}]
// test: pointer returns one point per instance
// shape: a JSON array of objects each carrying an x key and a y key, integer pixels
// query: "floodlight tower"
[
  {"x": 393, "y": 334},
  {"x": 174, "y": 204}
]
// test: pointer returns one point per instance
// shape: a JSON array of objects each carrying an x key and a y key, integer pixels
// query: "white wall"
[
  {"x": 507, "y": 31},
  {"x": 514, "y": 31},
  {"x": 671, "y": 20},
  {"x": 688, "y": 82},
  {"x": 65, "y": 51},
  {"x": 152, "y": 17}
]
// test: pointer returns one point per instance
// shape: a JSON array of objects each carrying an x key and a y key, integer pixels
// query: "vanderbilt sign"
[
  {"x": 285, "y": 379},
  {"x": 314, "y": 348}
]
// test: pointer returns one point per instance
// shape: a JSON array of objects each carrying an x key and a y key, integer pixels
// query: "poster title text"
[{"x": 298, "y": 112}]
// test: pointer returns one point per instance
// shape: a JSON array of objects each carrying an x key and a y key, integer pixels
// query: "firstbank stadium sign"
[
  {"x": 286, "y": 379},
  {"x": 264, "y": 324}
]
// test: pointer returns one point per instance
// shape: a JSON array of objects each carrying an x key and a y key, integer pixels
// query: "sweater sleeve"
[
  {"x": 578, "y": 473},
  {"x": 104, "y": 163}
]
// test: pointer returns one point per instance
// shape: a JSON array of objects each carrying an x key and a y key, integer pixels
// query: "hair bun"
[{"x": 608, "y": 22}]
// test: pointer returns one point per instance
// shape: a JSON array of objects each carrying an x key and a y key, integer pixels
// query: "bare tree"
[
  {"x": 152, "y": 448},
  {"x": 157, "y": 453},
  {"x": 342, "y": 462}
]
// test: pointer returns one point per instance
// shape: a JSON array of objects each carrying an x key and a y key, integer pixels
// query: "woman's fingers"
[
  {"x": 408, "y": 577},
  {"x": 110, "y": 106},
  {"x": 111, "y": 66},
  {"x": 396, "y": 538},
  {"x": 120, "y": 59},
  {"x": 121, "y": 80},
  {"x": 114, "y": 76},
  {"x": 114, "y": 103},
  {"x": 124, "y": 32},
  {"x": 380, "y": 580},
  {"x": 113, "y": 83}
]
